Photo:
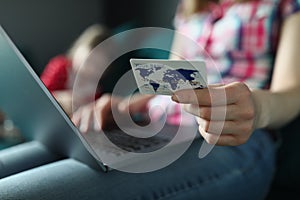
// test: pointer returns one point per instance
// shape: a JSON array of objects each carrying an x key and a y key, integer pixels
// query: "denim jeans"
[{"x": 241, "y": 172}]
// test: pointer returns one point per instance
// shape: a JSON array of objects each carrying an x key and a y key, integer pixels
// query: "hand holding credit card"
[{"x": 164, "y": 77}]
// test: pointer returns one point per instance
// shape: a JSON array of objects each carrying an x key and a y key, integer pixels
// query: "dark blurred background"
[{"x": 43, "y": 29}]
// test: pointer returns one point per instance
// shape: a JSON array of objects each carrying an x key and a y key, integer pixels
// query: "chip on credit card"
[{"x": 164, "y": 77}]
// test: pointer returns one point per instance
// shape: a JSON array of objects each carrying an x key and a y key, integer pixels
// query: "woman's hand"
[
  {"x": 98, "y": 115},
  {"x": 225, "y": 113}
]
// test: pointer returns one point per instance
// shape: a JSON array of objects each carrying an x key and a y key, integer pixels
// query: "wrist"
[{"x": 261, "y": 108}]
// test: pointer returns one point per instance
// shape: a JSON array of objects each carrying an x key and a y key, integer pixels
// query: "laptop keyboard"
[
  {"x": 138, "y": 145},
  {"x": 126, "y": 143}
]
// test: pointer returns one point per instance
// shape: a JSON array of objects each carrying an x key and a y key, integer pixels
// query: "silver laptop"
[{"x": 27, "y": 102}]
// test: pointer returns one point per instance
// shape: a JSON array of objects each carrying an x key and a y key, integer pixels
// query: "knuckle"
[
  {"x": 240, "y": 88},
  {"x": 241, "y": 85},
  {"x": 104, "y": 99},
  {"x": 233, "y": 87},
  {"x": 244, "y": 90}
]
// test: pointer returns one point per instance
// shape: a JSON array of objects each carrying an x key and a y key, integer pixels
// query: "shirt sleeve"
[{"x": 55, "y": 74}]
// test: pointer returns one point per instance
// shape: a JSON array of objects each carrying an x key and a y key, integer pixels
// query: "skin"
[
  {"x": 64, "y": 98},
  {"x": 246, "y": 109},
  {"x": 99, "y": 114}
]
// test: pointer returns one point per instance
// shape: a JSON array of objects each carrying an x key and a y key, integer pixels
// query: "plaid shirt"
[{"x": 238, "y": 40}]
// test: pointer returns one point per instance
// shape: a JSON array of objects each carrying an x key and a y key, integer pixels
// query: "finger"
[
  {"x": 212, "y": 113},
  {"x": 210, "y": 96},
  {"x": 86, "y": 119},
  {"x": 209, "y": 138},
  {"x": 220, "y": 140},
  {"x": 97, "y": 125},
  {"x": 193, "y": 97},
  {"x": 231, "y": 140},
  {"x": 226, "y": 127},
  {"x": 76, "y": 117},
  {"x": 202, "y": 97},
  {"x": 103, "y": 111},
  {"x": 216, "y": 127},
  {"x": 135, "y": 103}
]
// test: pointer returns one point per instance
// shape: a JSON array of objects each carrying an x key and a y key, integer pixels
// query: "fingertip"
[
  {"x": 180, "y": 96},
  {"x": 122, "y": 107},
  {"x": 75, "y": 121},
  {"x": 174, "y": 98},
  {"x": 83, "y": 128},
  {"x": 97, "y": 126}
]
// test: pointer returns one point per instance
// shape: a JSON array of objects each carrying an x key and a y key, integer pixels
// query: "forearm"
[
  {"x": 275, "y": 109},
  {"x": 281, "y": 104}
]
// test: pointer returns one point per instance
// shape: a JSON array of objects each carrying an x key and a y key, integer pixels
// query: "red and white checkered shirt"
[{"x": 238, "y": 41}]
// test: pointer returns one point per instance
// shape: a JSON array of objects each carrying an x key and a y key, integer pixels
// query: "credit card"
[{"x": 164, "y": 77}]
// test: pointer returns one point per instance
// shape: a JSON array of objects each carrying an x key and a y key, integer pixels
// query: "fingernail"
[{"x": 174, "y": 98}]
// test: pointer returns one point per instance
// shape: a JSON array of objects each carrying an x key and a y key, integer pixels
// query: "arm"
[
  {"x": 282, "y": 103},
  {"x": 228, "y": 114}
]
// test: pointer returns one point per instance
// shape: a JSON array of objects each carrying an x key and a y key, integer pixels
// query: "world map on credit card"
[{"x": 159, "y": 78}]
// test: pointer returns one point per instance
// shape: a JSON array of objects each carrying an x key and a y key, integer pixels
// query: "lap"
[{"x": 242, "y": 172}]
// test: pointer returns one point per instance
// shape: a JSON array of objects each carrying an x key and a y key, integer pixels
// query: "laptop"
[{"x": 28, "y": 103}]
